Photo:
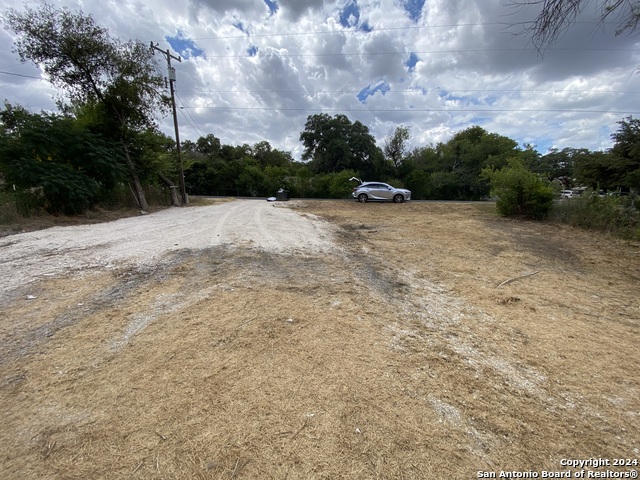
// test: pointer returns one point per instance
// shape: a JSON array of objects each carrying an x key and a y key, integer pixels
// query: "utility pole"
[{"x": 172, "y": 78}]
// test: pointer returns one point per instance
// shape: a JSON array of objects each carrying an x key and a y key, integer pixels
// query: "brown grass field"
[{"x": 402, "y": 355}]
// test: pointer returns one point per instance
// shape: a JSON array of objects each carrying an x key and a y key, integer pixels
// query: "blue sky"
[
  {"x": 370, "y": 91},
  {"x": 253, "y": 70},
  {"x": 184, "y": 46}
]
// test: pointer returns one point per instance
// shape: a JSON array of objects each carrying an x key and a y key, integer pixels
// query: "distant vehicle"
[
  {"x": 566, "y": 194},
  {"x": 381, "y": 192}
]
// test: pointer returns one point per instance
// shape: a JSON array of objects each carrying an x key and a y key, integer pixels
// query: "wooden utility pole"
[{"x": 172, "y": 78}]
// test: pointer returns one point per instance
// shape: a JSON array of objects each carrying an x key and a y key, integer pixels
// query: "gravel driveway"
[{"x": 32, "y": 256}]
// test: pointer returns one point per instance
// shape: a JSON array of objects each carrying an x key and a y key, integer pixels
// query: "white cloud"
[{"x": 472, "y": 69}]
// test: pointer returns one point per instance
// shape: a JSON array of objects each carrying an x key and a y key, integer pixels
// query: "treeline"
[
  {"x": 67, "y": 163},
  {"x": 105, "y": 144},
  {"x": 336, "y": 150},
  {"x": 70, "y": 163}
]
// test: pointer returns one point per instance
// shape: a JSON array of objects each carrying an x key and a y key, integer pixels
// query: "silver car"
[{"x": 381, "y": 192}]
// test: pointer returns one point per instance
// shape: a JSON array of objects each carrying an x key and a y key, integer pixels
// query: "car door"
[
  {"x": 377, "y": 191},
  {"x": 385, "y": 192}
]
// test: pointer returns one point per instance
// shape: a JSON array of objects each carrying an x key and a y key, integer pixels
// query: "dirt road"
[
  {"x": 145, "y": 240},
  {"x": 316, "y": 340}
]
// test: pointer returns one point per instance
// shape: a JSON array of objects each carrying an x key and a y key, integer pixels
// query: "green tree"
[
  {"x": 208, "y": 145},
  {"x": 445, "y": 186},
  {"x": 519, "y": 191},
  {"x": 464, "y": 156},
  {"x": 340, "y": 185},
  {"x": 561, "y": 164},
  {"x": 334, "y": 144},
  {"x": 267, "y": 156},
  {"x": 82, "y": 59},
  {"x": 58, "y": 157},
  {"x": 275, "y": 178},
  {"x": 596, "y": 170},
  {"x": 426, "y": 159},
  {"x": 251, "y": 180},
  {"x": 419, "y": 182},
  {"x": 302, "y": 182},
  {"x": 154, "y": 154},
  {"x": 616, "y": 169},
  {"x": 626, "y": 153},
  {"x": 395, "y": 147}
]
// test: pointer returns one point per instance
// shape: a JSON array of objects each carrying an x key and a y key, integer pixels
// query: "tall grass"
[
  {"x": 122, "y": 197},
  {"x": 18, "y": 207},
  {"x": 619, "y": 216}
]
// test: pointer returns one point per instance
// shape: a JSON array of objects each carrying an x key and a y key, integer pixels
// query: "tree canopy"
[
  {"x": 335, "y": 143},
  {"x": 64, "y": 161},
  {"x": 395, "y": 147},
  {"x": 121, "y": 79}
]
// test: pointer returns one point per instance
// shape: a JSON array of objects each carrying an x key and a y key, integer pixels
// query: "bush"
[
  {"x": 333, "y": 185},
  {"x": 520, "y": 192},
  {"x": 616, "y": 215}
]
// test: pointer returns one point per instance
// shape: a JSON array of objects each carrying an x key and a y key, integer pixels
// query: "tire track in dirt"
[
  {"x": 144, "y": 248},
  {"x": 58, "y": 251},
  {"x": 246, "y": 335}
]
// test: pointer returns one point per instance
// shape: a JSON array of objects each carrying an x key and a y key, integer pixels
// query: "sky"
[{"x": 254, "y": 70}]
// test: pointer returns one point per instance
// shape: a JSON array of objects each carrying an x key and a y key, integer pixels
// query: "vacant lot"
[{"x": 322, "y": 339}]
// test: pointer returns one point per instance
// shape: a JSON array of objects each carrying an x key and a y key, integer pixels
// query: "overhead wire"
[
  {"x": 20, "y": 75},
  {"x": 184, "y": 109},
  {"x": 403, "y": 53},
  {"x": 427, "y": 52},
  {"x": 193, "y": 123},
  {"x": 377, "y": 29},
  {"x": 420, "y": 110},
  {"x": 349, "y": 31},
  {"x": 415, "y": 90}
]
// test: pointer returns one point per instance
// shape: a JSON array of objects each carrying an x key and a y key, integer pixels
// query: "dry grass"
[
  {"x": 397, "y": 357},
  {"x": 18, "y": 224}
]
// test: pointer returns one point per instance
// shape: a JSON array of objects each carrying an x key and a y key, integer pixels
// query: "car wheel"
[
  {"x": 397, "y": 198},
  {"x": 362, "y": 198}
]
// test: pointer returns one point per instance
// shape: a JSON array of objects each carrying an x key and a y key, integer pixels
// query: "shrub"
[
  {"x": 616, "y": 215},
  {"x": 519, "y": 191}
]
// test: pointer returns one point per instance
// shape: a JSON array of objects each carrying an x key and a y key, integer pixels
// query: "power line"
[
  {"x": 422, "y": 110},
  {"x": 414, "y": 90},
  {"x": 183, "y": 109},
  {"x": 381, "y": 29},
  {"x": 429, "y": 52},
  {"x": 20, "y": 75},
  {"x": 333, "y": 32}
]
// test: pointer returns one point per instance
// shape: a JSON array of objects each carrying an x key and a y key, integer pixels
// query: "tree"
[
  {"x": 57, "y": 158},
  {"x": 594, "y": 169},
  {"x": 556, "y": 15},
  {"x": 251, "y": 180},
  {"x": 616, "y": 169},
  {"x": 341, "y": 185},
  {"x": 466, "y": 154},
  {"x": 519, "y": 191},
  {"x": 209, "y": 145},
  {"x": 267, "y": 156},
  {"x": 334, "y": 144},
  {"x": 561, "y": 164},
  {"x": 626, "y": 152},
  {"x": 275, "y": 178},
  {"x": 82, "y": 59},
  {"x": 419, "y": 182},
  {"x": 395, "y": 148}
]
